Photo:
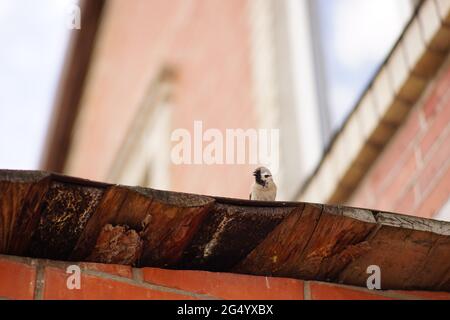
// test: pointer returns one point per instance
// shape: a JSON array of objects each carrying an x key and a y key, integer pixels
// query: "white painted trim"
[{"x": 304, "y": 79}]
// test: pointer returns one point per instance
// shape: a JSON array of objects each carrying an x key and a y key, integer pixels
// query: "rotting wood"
[
  {"x": 65, "y": 211},
  {"x": 229, "y": 234},
  {"x": 117, "y": 245},
  {"x": 52, "y": 216},
  {"x": 172, "y": 219},
  {"x": 109, "y": 211}
]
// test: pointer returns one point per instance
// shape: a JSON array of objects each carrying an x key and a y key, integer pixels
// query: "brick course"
[
  {"x": 19, "y": 279},
  {"x": 227, "y": 285}
]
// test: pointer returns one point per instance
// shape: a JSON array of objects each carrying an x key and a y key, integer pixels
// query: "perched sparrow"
[{"x": 263, "y": 188}]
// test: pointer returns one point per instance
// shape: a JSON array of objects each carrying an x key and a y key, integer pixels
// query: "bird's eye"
[{"x": 266, "y": 176}]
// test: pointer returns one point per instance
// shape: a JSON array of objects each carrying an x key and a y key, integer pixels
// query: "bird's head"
[{"x": 263, "y": 176}]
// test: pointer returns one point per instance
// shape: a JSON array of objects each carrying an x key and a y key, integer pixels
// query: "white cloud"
[
  {"x": 36, "y": 38},
  {"x": 5, "y": 6},
  {"x": 365, "y": 30}
]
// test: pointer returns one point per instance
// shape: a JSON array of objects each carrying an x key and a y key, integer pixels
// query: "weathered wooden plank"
[
  {"x": 313, "y": 243},
  {"x": 229, "y": 234},
  {"x": 65, "y": 211},
  {"x": 174, "y": 219},
  {"x": 52, "y": 216},
  {"x": 338, "y": 238},
  {"x": 20, "y": 195},
  {"x": 412, "y": 253},
  {"x": 434, "y": 272},
  {"x": 105, "y": 213},
  {"x": 28, "y": 218},
  {"x": 165, "y": 221},
  {"x": 11, "y": 201},
  {"x": 282, "y": 248}
]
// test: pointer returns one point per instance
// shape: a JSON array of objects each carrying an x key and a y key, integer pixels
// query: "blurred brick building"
[{"x": 139, "y": 70}]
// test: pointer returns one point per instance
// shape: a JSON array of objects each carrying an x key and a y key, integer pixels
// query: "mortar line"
[{"x": 148, "y": 285}]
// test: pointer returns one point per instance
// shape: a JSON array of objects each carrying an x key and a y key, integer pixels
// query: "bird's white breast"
[{"x": 267, "y": 193}]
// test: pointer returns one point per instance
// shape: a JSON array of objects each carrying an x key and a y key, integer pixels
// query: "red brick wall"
[
  {"x": 24, "y": 278},
  {"x": 208, "y": 44},
  {"x": 412, "y": 175}
]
